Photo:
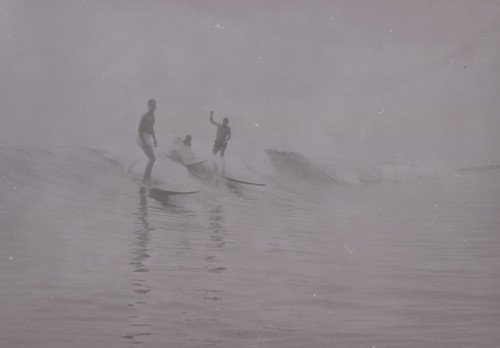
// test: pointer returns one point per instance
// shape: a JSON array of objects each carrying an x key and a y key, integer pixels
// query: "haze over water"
[{"x": 385, "y": 80}]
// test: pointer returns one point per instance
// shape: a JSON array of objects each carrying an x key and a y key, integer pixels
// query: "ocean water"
[{"x": 322, "y": 256}]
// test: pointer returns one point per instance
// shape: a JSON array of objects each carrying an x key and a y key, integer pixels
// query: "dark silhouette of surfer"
[
  {"x": 147, "y": 139},
  {"x": 221, "y": 138}
]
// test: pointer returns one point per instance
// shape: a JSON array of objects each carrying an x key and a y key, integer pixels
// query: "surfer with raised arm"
[
  {"x": 147, "y": 139},
  {"x": 221, "y": 138}
]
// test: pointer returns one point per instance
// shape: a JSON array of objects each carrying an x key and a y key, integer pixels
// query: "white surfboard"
[
  {"x": 170, "y": 189},
  {"x": 194, "y": 162},
  {"x": 240, "y": 180}
]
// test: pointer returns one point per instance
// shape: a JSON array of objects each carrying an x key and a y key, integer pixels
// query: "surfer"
[
  {"x": 222, "y": 136},
  {"x": 187, "y": 141},
  {"x": 182, "y": 151},
  {"x": 147, "y": 139}
]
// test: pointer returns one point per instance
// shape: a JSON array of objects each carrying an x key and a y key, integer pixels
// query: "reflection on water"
[
  {"x": 216, "y": 222},
  {"x": 215, "y": 255},
  {"x": 140, "y": 255},
  {"x": 143, "y": 235},
  {"x": 168, "y": 216}
]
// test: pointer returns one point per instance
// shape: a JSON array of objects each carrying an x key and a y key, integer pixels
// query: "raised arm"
[{"x": 212, "y": 119}]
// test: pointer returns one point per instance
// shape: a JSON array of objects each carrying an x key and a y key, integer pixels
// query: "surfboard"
[
  {"x": 240, "y": 180},
  {"x": 195, "y": 161},
  {"x": 168, "y": 189}
]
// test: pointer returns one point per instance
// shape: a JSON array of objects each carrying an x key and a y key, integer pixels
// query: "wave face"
[
  {"x": 86, "y": 171},
  {"x": 296, "y": 166},
  {"x": 57, "y": 167},
  {"x": 54, "y": 180}
]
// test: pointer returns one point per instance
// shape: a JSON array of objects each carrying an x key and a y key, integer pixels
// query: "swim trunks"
[
  {"x": 219, "y": 145},
  {"x": 148, "y": 140}
]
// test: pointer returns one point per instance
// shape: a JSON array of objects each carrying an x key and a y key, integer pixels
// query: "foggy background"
[{"x": 407, "y": 81}]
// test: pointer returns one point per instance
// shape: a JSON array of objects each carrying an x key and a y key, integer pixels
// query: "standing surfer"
[
  {"x": 147, "y": 139},
  {"x": 221, "y": 138}
]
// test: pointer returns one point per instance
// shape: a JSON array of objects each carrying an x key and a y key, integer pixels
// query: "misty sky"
[{"x": 386, "y": 80}]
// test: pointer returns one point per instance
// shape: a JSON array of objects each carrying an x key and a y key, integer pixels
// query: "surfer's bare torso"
[{"x": 146, "y": 129}]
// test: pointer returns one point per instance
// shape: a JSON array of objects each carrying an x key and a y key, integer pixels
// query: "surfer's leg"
[
  {"x": 214, "y": 161},
  {"x": 148, "y": 150},
  {"x": 223, "y": 150},
  {"x": 215, "y": 149},
  {"x": 147, "y": 172}
]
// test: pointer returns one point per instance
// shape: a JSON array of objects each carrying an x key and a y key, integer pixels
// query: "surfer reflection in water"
[
  {"x": 222, "y": 137},
  {"x": 143, "y": 235},
  {"x": 147, "y": 139}
]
